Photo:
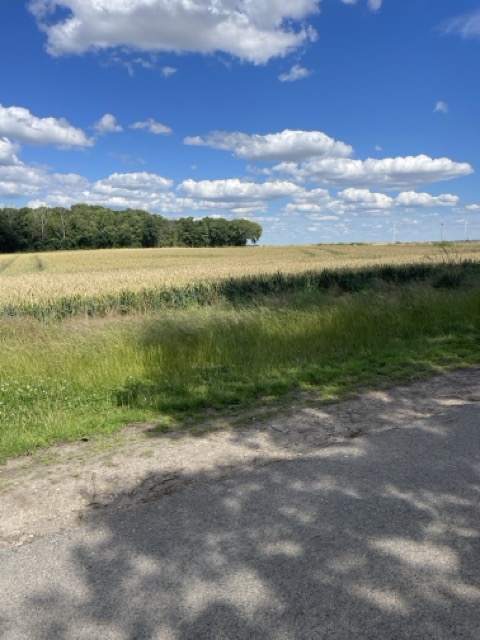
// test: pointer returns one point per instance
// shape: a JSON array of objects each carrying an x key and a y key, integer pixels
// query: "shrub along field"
[{"x": 219, "y": 340}]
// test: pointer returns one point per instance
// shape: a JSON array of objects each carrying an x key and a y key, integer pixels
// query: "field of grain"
[
  {"x": 93, "y": 340},
  {"x": 44, "y": 277}
]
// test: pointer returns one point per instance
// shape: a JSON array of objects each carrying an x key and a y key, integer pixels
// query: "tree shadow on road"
[{"x": 377, "y": 537}]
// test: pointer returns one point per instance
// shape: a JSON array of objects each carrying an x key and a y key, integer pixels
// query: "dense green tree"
[
  {"x": 8, "y": 238},
  {"x": 192, "y": 233},
  {"x": 218, "y": 231},
  {"x": 85, "y": 226},
  {"x": 241, "y": 231}
]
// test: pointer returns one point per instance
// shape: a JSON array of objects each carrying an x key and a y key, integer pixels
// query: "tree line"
[{"x": 86, "y": 226}]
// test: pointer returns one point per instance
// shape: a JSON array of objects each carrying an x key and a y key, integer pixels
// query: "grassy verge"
[
  {"x": 62, "y": 381},
  {"x": 56, "y": 381},
  {"x": 327, "y": 343}
]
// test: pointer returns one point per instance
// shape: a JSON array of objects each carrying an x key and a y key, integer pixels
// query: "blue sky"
[{"x": 323, "y": 120}]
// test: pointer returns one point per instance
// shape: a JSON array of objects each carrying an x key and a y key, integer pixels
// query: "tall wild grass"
[
  {"x": 57, "y": 381},
  {"x": 333, "y": 344},
  {"x": 261, "y": 339}
]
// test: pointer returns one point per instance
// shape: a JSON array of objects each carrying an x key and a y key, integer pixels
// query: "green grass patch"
[
  {"x": 63, "y": 381},
  {"x": 219, "y": 357},
  {"x": 57, "y": 381}
]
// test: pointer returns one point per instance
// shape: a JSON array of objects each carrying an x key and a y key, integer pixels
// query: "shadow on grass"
[
  {"x": 218, "y": 357},
  {"x": 376, "y": 537}
]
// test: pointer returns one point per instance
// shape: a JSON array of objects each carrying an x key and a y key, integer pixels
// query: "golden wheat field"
[{"x": 42, "y": 277}]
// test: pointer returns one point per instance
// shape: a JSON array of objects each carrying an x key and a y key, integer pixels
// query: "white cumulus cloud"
[
  {"x": 127, "y": 182},
  {"x": 107, "y": 124},
  {"x": 19, "y": 123},
  {"x": 21, "y": 180},
  {"x": 311, "y": 196},
  {"x": 253, "y": 31},
  {"x": 154, "y": 193},
  {"x": 414, "y": 199},
  {"x": 366, "y": 198},
  {"x": 297, "y": 72},
  {"x": 387, "y": 172},
  {"x": 137, "y": 190},
  {"x": 287, "y": 146},
  {"x": 142, "y": 190},
  {"x": 8, "y": 152},
  {"x": 235, "y": 190},
  {"x": 353, "y": 200},
  {"x": 308, "y": 201},
  {"x": 152, "y": 126}
]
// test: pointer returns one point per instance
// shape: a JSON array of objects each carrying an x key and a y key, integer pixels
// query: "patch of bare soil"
[{"x": 60, "y": 487}]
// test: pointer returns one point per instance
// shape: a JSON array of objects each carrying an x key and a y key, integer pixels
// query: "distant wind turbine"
[
  {"x": 465, "y": 222},
  {"x": 395, "y": 231}
]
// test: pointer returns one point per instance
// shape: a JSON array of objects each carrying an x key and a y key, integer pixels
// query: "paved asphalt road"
[{"x": 376, "y": 537}]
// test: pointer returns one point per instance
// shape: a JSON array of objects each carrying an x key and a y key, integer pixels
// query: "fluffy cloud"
[
  {"x": 364, "y": 198},
  {"x": 21, "y": 180},
  {"x": 142, "y": 191},
  {"x": 312, "y": 196},
  {"x": 107, "y": 124},
  {"x": 125, "y": 183},
  {"x": 315, "y": 200},
  {"x": 387, "y": 172},
  {"x": 165, "y": 203},
  {"x": 137, "y": 190},
  {"x": 20, "y": 124},
  {"x": 235, "y": 190},
  {"x": 441, "y": 107},
  {"x": 352, "y": 200},
  {"x": 254, "y": 31},
  {"x": 467, "y": 25},
  {"x": 8, "y": 152},
  {"x": 287, "y": 146},
  {"x": 297, "y": 72},
  {"x": 120, "y": 190},
  {"x": 313, "y": 156},
  {"x": 152, "y": 126},
  {"x": 413, "y": 199}
]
